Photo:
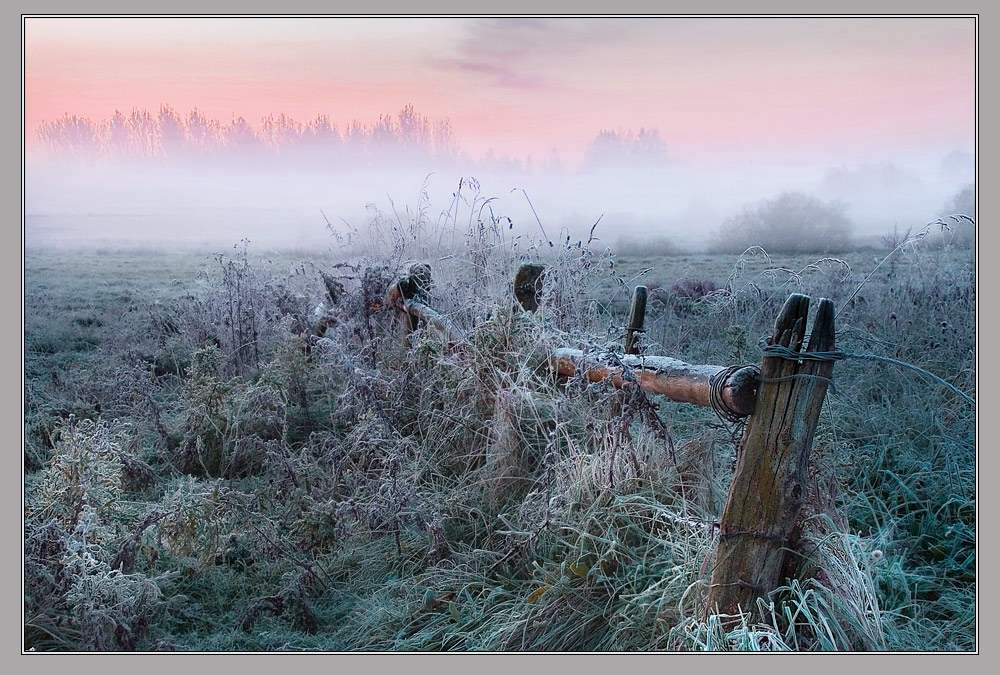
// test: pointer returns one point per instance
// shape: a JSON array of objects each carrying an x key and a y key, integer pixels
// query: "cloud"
[{"x": 527, "y": 54}]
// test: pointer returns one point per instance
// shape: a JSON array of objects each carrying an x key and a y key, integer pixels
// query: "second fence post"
[{"x": 636, "y": 320}]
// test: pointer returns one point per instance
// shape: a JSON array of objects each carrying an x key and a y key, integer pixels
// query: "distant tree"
[
  {"x": 620, "y": 148},
  {"x": 493, "y": 162},
  {"x": 144, "y": 134},
  {"x": 445, "y": 144},
  {"x": 118, "y": 143},
  {"x": 792, "y": 222},
  {"x": 382, "y": 141},
  {"x": 204, "y": 136},
  {"x": 171, "y": 133},
  {"x": 196, "y": 137},
  {"x": 355, "y": 144},
  {"x": 320, "y": 139},
  {"x": 282, "y": 135},
  {"x": 240, "y": 141},
  {"x": 71, "y": 137},
  {"x": 414, "y": 131}
]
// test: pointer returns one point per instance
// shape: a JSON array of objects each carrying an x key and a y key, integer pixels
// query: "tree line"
[
  {"x": 167, "y": 135},
  {"x": 406, "y": 138}
]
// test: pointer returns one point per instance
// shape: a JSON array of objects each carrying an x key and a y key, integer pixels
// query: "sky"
[
  {"x": 745, "y": 106},
  {"x": 842, "y": 87}
]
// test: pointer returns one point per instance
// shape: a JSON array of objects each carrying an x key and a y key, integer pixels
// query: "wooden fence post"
[
  {"x": 636, "y": 319},
  {"x": 528, "y": 284},
  {"x": 769, "y": 486}
]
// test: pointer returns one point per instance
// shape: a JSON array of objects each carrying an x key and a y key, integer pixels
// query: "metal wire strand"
[{"x": 778, "y": 351}]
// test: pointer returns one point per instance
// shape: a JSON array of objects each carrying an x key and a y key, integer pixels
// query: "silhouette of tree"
[
  {"x": 203, "y": 135},
  {"x": 171, "y": 133},
  {"x": 445, "y": 144},
  {"x": 320, "y": 140},
  {"x": 281, "y": 134},
  {"x": 614, "y": 149},
  {"x": 70, "y": 137},
  {"x": 144, "y": 134},
  {"x": 118, "y": 144},
  {"x": 410, "y": 138}
]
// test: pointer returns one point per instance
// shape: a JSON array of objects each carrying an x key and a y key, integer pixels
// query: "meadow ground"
[{"x": 202, "y": 473}]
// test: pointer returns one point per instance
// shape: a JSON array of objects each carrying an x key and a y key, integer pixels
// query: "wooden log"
[
  {"x": 663, "y": 375},
  {"x": 769, "y": 485},
  {"x": 636, "y": 320},
  {"x": 528, "y": 284},
  {"x": 407, "y": 296},
  {"x": 418, "y": 311}
]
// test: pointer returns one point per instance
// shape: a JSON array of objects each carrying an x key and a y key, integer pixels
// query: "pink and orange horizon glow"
[{"x": 787, "y": 89}]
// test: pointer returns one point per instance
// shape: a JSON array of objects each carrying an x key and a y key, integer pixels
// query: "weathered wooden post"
[
  {"x": 636, "y": 320},
  {"x": 769, "y": 486},
  {"x": 528, "y": 284}
]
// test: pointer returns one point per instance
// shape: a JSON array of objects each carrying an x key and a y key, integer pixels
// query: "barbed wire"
[{"x": 780, "y": 351}]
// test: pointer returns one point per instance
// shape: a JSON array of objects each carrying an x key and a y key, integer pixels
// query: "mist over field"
[
  {"x": 287, "y": 203},
  {"x": 188, "y": 131}
]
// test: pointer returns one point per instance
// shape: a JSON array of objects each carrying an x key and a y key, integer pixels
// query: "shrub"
[
  {"x": 962, "y": 202},
  {"x": 230, "y": 424},
  {"x": 78, "y": 593},
  {"x": 792, "y": 222},
  {"x": 957, "y": 219}
]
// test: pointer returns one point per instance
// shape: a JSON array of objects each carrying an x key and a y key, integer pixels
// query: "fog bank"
[{"x": 192, "y": 205}]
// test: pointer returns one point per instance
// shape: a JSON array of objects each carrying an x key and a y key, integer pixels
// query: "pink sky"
[{"x": 827, "y": 89}]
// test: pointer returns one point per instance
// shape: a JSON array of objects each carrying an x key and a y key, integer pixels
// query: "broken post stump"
[
  {"x": 636, "y": 320},
  {"x": 416, "y": 287},
  {"x": 528, "y": 285},
  {"x": 408, "y": 296},
  {"x": 769, "y": 485},
  {"x": 323, "y": 317},
  {"x": 663, "y": 375}
]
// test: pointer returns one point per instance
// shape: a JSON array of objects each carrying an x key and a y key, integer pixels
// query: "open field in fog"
[
  {"x": 200, "y": 474},
  {"x": 282, "y": 391}
]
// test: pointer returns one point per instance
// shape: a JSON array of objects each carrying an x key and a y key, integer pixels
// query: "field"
[{"x": 204, "y": 472}]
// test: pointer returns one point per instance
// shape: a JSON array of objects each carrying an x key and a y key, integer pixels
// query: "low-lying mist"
[{"x": 192, "y": 205}]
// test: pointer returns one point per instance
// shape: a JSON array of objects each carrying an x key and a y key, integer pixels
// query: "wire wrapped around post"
[{"x": 718, "y": 400}]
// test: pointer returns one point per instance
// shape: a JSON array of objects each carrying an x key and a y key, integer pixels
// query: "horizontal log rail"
[
  {"x": 731, "y": 391},
  {"x": 678, "y": 381},
  {"x": 422, "y": 312}
]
